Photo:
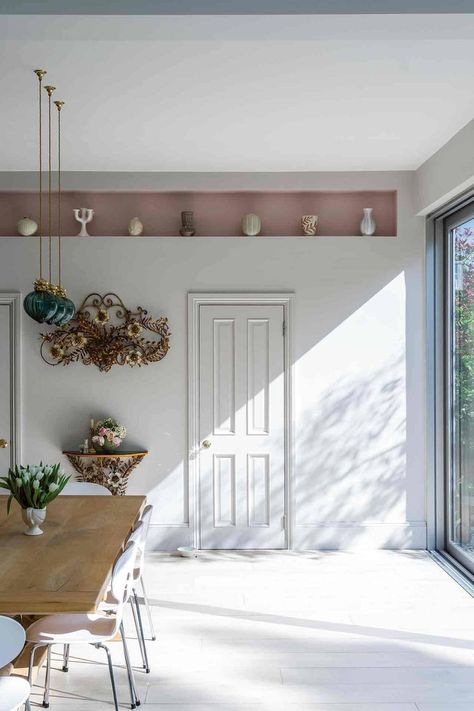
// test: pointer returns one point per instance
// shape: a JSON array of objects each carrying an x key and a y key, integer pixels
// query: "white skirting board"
[
  {"x": 168, "y": 538},
  {"x": 360, "y": 536},
  {"x": 322, "y": 536}
]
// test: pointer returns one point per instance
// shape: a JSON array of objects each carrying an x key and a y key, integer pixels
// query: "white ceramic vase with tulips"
[{"x": 34, "y": 487}]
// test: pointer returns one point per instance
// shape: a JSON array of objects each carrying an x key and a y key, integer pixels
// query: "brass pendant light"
[
  {"x": 48, "y": 302},
  {"x": 66, "y": 306}
]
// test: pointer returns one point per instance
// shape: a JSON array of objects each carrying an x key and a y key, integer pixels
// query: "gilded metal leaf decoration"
[{"x": 105, "y": 333}]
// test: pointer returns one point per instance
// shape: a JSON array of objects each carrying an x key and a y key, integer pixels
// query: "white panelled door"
[
  {"x": 7, "y": 384},
  {"x": 242, "y": 427}
]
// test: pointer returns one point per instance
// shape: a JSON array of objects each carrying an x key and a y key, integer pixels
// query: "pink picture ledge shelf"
[{"x": 216, "y": 214}]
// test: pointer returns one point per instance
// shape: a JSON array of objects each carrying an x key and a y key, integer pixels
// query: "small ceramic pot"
[
  {"x": 26, "y": 227},
  {"x": 251, "y": 225},
  {"x": 109, "y": 447},
  {"x": 187, "y": 224},
  {"x": 309, "y": 223},
  {"x": 135, "y": 227},
  {"x": 33, "y": 518}
]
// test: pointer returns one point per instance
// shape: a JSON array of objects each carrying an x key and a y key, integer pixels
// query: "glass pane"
[{"x": 462, "y": 385}]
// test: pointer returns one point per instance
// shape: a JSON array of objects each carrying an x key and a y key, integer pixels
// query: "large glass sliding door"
[{"x": 458, "y": 241}]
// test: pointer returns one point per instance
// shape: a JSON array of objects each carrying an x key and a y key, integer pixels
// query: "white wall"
[
  {"x": 358, "y": 345},
  {"x": 447, "y": 173}
]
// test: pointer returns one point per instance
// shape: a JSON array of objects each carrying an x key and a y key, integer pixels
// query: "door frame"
[
  {"x": 438, "y": 391},
  {"x": 13, "y": 300},
  {"x": 195, "y": 301}
]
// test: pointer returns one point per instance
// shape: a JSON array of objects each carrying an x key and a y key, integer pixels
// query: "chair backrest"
[
  {"x": 146, "y": 518},
  {"x": 139, "y": 535},
  {"x": 121, "y": 583},
  {"x": 12, "y": 639},
  {"x": 85, "y": 488}
]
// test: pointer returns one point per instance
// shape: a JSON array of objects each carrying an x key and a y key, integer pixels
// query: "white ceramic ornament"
[
  {"x": 26, "y": 227},
  {"x": 309, "y": 223},
  {"x": 251, "y": 225},
  {"x": 135, "y": 227},
  {"x": 83, "y": 215}
]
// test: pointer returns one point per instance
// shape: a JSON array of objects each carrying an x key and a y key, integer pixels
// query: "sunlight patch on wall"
[{"x": 350, "y": 452}]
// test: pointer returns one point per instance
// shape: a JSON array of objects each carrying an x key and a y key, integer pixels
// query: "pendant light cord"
[
  {"x": 40, "y": 74},
  {"x": 59, "y": 105},
  {"x": 49, "y": 184},
  {"x": 59, "y": 196}
]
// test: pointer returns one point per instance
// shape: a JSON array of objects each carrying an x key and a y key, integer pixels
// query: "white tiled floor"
[{"x": 334, "y": 631}]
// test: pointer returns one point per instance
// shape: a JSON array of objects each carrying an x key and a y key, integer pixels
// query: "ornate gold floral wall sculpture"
[{"x": 105, "y": 333}]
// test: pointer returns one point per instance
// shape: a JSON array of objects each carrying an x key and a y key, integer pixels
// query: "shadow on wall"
[
  {"x": 351, "y": 454},
  {"x": 351, "y": 430}
]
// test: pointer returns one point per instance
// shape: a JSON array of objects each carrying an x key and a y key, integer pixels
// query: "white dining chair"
[
  {"x": 85, "y": 488},
  {"x": 139, "y": 535},
  {"x": 81, "y": 488},
  {"x": 14, "y": 690},
  {"x": 91, "y": 628}
]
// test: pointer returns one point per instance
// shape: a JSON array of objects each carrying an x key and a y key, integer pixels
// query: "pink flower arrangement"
[{"x": 108, "y": 433}]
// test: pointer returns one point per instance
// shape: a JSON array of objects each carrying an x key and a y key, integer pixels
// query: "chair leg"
[
  {"x": 135, "y": 621},
  {"x": 32, "y": 658},
  {"x": 148, "y": 610},
  {"x": 141, "y": 633},
  {"x": 47, "y": 681},
  {"x": 111, "y": 672},
  {"x": 134, "y": 700},
  {"x": 66, "y": 658}
]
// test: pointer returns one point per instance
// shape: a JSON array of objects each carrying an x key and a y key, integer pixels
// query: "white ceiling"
[{"x": 239, "y": 93}]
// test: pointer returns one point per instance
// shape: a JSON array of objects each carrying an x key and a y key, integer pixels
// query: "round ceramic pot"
[
  {"x": 33, "y": 518},
  {"x": 109, "y": 447},
  {"x": 26, "y": 227}
]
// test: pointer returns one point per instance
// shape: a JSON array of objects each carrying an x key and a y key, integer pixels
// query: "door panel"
[
  {"x": 242, "y": 426},
  {"x": 224, "y": 377},
  {"x": 224, "y": 490},
  {"x": 258, "y": 479},
  {"x": 257, "y": 376}
]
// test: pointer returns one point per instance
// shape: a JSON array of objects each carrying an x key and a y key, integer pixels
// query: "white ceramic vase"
[
  {"x": 33, "y": 518},
  {"x": 251, "y": 225},
  {"x": 26, "y": 227},
  {"x": 367, "y": 225}
]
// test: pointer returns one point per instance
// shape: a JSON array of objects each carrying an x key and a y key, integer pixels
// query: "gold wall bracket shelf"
[{"x": 111, "y": 470}]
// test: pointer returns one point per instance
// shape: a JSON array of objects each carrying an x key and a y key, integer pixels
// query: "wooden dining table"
[{"x": 67, "y": 568}]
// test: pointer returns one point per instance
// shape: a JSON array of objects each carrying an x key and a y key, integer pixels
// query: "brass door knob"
[
  {"x": 3, "y": 443},
  {"x": 206, "y": 444}
]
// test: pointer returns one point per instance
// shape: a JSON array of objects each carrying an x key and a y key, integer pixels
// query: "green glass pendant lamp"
[{"x": 48, "y": 303}]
